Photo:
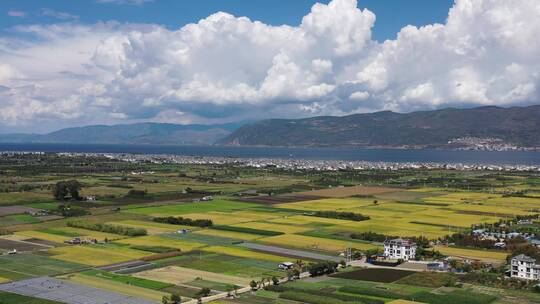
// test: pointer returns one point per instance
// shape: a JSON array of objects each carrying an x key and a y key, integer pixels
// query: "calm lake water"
[{"x": 386, "y": 155}]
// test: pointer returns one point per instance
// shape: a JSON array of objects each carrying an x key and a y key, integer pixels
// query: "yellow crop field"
[
  {"x": 154, "y": 240},
  {"x": 151, "y": 227},
  {"x": 274, "y": 227},
  {"x": 44, "y": 236},
  {"x": 96, "y": 255},
  {"x": 229, "y": 234},
  {"x": 4, "y": 280},
  {"x": 475, "y": 254},
  {"x": 130, "y": 290},
  {"x": 181, "y": 275},
  {"x": 243, "y": 253},
  {"x": 314, "y": 243}
]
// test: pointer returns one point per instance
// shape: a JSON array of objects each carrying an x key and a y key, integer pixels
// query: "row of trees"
[
  {"x": 122, "y": 230},
  {"x": 351, "y": 216},
  {"x": 184, "y": 221}
]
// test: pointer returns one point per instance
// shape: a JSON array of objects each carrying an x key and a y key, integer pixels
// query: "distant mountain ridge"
[
  {"x": 139, "y": 133},
  {"x": 515, "y": 125}
]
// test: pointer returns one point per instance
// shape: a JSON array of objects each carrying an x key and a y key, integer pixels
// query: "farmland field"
[
  {"x": 96, "y": 255},
  {"x": 182, "y": 275},
  {"x": 259, "y": 218}
]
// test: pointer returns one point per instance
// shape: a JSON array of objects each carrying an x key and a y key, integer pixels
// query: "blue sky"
[
  {"x": 67, "y": 63},
  {"x": 392, "y": 15}
]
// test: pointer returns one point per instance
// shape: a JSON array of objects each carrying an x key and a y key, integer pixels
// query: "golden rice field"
[
  {"x": 313, "y": 243},
  {"x": 475, "y": 254},
  {"x": 154, "y": 240},
  {"x": 130, "y": 290},
  {"x": 243, "y": 253},
  {"x": 182, "y": 275},
  {"x": 95, "y": 255}
]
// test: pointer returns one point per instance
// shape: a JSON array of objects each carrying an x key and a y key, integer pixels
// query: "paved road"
[
  {"x": 292, "y": 252},
  {"x": 224, "y": 295},
  {"x": 68, "y": 292}
]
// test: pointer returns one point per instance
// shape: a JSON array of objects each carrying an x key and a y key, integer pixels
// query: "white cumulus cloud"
[{"x": 227, "y": 68}]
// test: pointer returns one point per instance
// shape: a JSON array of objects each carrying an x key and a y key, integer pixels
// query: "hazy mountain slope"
[
  {"x": 518, "y": 125},
  {"x": 141, "y": 133}
]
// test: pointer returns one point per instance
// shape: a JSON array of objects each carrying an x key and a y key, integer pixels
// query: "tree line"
[
  {"x": 122, "y": 230},
  {"x": 184, "y": 221}
]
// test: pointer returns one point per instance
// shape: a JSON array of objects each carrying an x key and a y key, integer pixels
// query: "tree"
[
  {"x": 343, "y": 263},
  {"x": 275, "y": 280},
  {"x": 165, "y": 300},
  {"x": 60, "y": 191},
  {"x": 253, "y": 285},
  {"x": 204, "y": 292},
  {"x": 74, "y": 187},
  {"x": 296, "y": 273},
  {"x": 62, "y": 188},
  {"x": 176, "y": 299}
]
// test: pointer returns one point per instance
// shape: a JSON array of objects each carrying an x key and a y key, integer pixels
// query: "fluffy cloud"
[{"x": 227, "y": 68}]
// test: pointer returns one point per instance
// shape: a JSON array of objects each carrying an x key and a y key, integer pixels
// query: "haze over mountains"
[
  {"x": 517, "y": 126},
  {"x": 139, "y": 133}
]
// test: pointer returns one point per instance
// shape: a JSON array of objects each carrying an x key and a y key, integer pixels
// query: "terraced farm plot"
[
  {"x": 182, "y": 275},
  {"x": 160, "y": 241},
  {"x": 313, "y": 243},
  {"x": 96, "y": 255}
]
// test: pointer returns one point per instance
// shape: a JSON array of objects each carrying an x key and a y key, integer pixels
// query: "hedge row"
[
  {"x": 122, "y": 230},
  {"x": 248, "y": 230}
]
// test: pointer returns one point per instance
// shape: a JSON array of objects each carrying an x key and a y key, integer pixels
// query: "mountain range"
[
  {"x": 518, "y": 126},
  {"x": 138, "y": 133}
]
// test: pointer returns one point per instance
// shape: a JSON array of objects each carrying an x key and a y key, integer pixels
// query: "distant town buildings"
[
  {"x": 524, "y": 267},
  {"x": 400, "y": 249}
]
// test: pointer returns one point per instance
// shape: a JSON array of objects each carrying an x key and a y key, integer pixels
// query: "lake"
[{"x": 347, "y": 154}]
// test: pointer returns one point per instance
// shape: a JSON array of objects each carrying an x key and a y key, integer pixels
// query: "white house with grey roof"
[
  {"x": 524, "y": 267},
  {"x": 399, "y": 249}
]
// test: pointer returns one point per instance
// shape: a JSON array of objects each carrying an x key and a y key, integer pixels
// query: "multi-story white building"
[
  {"x": 524, "y": 267},
  {"x": 400, "y": 249}
]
